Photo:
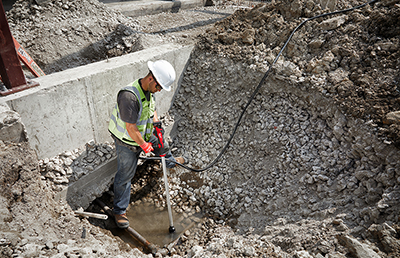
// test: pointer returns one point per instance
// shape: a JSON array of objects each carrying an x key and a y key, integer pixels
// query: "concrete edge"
[
  {"x": 134, "y": 9},
  {"x": 82, "y": 192}
]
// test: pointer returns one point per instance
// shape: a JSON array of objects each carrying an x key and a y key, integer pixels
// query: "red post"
[{"x": 10, "y": 67}]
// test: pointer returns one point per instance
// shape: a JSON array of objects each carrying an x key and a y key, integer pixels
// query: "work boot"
[
  {"x": 121, "y": 220},
  {"x": 181, "y": 160}
]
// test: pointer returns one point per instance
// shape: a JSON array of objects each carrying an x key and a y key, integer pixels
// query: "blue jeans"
[{"x": 127, "y": 162}]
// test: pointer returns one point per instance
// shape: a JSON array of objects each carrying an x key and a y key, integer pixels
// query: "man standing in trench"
[{"x": 131, "y": 126}]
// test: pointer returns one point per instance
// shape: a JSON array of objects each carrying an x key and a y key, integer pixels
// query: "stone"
[
  {"x": 333, "y": 23},
  {"x": 42, "y": 2},
  {"x": 11, "y": 127},
  {"x": 195, "y": 252},
  {"x": 356, "y": 248},
  {"x": 303, "y": 254},
  {"x": 32, "y": 250},
  {"x": 392, "y": 118},
  {"x": 248, "y": 36},
  {"x": 49, "y": 244},
  {"x": 249, "y": 251}
]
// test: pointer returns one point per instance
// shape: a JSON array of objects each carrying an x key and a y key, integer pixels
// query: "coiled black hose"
[{"x": 258, "y": 88}]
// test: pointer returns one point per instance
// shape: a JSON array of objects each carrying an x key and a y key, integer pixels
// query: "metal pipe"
[
  {"x": 92, "y": 215},
  {"x": 151, "y": 247},
  {"x": 171, "y": 222}
]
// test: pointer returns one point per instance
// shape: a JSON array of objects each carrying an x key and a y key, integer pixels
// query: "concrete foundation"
[
  {"x": 72, "y": 107},
  {"x": 148, "y": 7}
]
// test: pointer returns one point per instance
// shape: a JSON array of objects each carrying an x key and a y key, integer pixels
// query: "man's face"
[{"x": 155, "y": 86}]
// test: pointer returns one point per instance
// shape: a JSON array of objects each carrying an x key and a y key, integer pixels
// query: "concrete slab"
[
  {"x": 72, "y": 107},
  {"x": 84, "y": 191},
  {"x": 148, "y": 7}
]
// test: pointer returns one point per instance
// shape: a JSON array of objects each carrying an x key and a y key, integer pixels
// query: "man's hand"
[
  {"x": 157, "y": 124},
  {"x": 147, "y": 147}
]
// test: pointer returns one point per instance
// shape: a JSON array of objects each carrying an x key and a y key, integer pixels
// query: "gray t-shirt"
[{"x": 128, "y": 106}]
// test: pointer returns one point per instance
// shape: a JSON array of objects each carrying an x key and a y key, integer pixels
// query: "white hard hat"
[{"x": 163, "y": 72}]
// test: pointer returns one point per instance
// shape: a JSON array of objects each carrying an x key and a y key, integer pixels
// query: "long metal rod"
[
  {"x": 171, "y": 222},
  {"x": 151, "y": 247},
  {"x": 91, "y": 215}
]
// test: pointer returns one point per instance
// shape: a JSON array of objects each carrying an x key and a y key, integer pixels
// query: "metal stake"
[{"x": 171, "y": 223}]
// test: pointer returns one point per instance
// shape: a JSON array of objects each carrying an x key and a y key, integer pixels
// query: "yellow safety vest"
[{"x": 145, "y": 118}]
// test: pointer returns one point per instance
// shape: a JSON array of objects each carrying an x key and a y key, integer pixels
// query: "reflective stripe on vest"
[{"x": 144, "y": 123}]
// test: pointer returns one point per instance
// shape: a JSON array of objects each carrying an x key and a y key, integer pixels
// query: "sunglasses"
[{"x": 158, "y": 86}]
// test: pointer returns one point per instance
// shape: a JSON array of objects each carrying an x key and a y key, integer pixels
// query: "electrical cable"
[{"x": 258, "y": 88}]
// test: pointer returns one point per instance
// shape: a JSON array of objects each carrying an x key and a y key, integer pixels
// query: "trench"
[{"x": 147, "y": 211}]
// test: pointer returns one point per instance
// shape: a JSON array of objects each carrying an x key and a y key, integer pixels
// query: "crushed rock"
[
  {"x": 307, "y": 148},
  {"x": 68, "y": 167},
  {"x": 352, "y": 58}
]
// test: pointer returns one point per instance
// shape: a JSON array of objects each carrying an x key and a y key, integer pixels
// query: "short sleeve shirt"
[{"x": 129, "y": 106}]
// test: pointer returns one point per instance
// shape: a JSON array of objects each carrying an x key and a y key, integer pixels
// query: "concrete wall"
[
  {"x": 139, "y": 8},
  {"x": 72, "y": 107}
]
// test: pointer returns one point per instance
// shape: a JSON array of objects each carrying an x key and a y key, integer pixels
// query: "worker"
[{"x": 131, "y": 127}]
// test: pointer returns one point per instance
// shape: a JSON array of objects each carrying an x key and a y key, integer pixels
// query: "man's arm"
[
  {"x": 155, "y": 117},
  {"x": 134, "y": 133}
]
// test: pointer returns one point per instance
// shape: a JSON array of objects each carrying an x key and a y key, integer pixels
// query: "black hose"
[{"x": 259, "y": 86}]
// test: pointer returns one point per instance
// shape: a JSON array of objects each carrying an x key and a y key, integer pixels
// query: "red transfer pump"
[{"x": 159, "y": 133}]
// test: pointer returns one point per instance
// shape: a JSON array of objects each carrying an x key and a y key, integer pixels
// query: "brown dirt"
[{"x": 62, "y": 35}]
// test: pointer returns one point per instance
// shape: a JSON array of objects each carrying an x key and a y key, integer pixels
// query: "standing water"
[{"x": 152, "y": 223}]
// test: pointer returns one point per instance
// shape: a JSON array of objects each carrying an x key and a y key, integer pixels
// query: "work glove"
[{"x": 147, "y": 147}]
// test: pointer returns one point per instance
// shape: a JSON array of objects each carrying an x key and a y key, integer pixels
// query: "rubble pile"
[
  {"x": 350, "y": 57},
  {"x": 68, "y": 167},
  {"x": 314, "y": 144},
  {"x": 64, "y": 34}
]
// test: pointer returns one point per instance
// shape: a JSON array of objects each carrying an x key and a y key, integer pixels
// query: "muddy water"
[{"x": 152, "y": 223}]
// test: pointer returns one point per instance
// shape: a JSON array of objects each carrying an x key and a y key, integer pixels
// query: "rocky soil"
[
  {"x": 74, "y": 33},
  {"x": 312, "y": 170},
  {"x": 65, "y": 34},
  {"x": 318, "y": 144}
]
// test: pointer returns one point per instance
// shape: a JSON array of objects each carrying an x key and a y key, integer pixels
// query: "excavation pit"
[
  {"x": 152, "y": 223},
  {"x": 147, "y": 212}
]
